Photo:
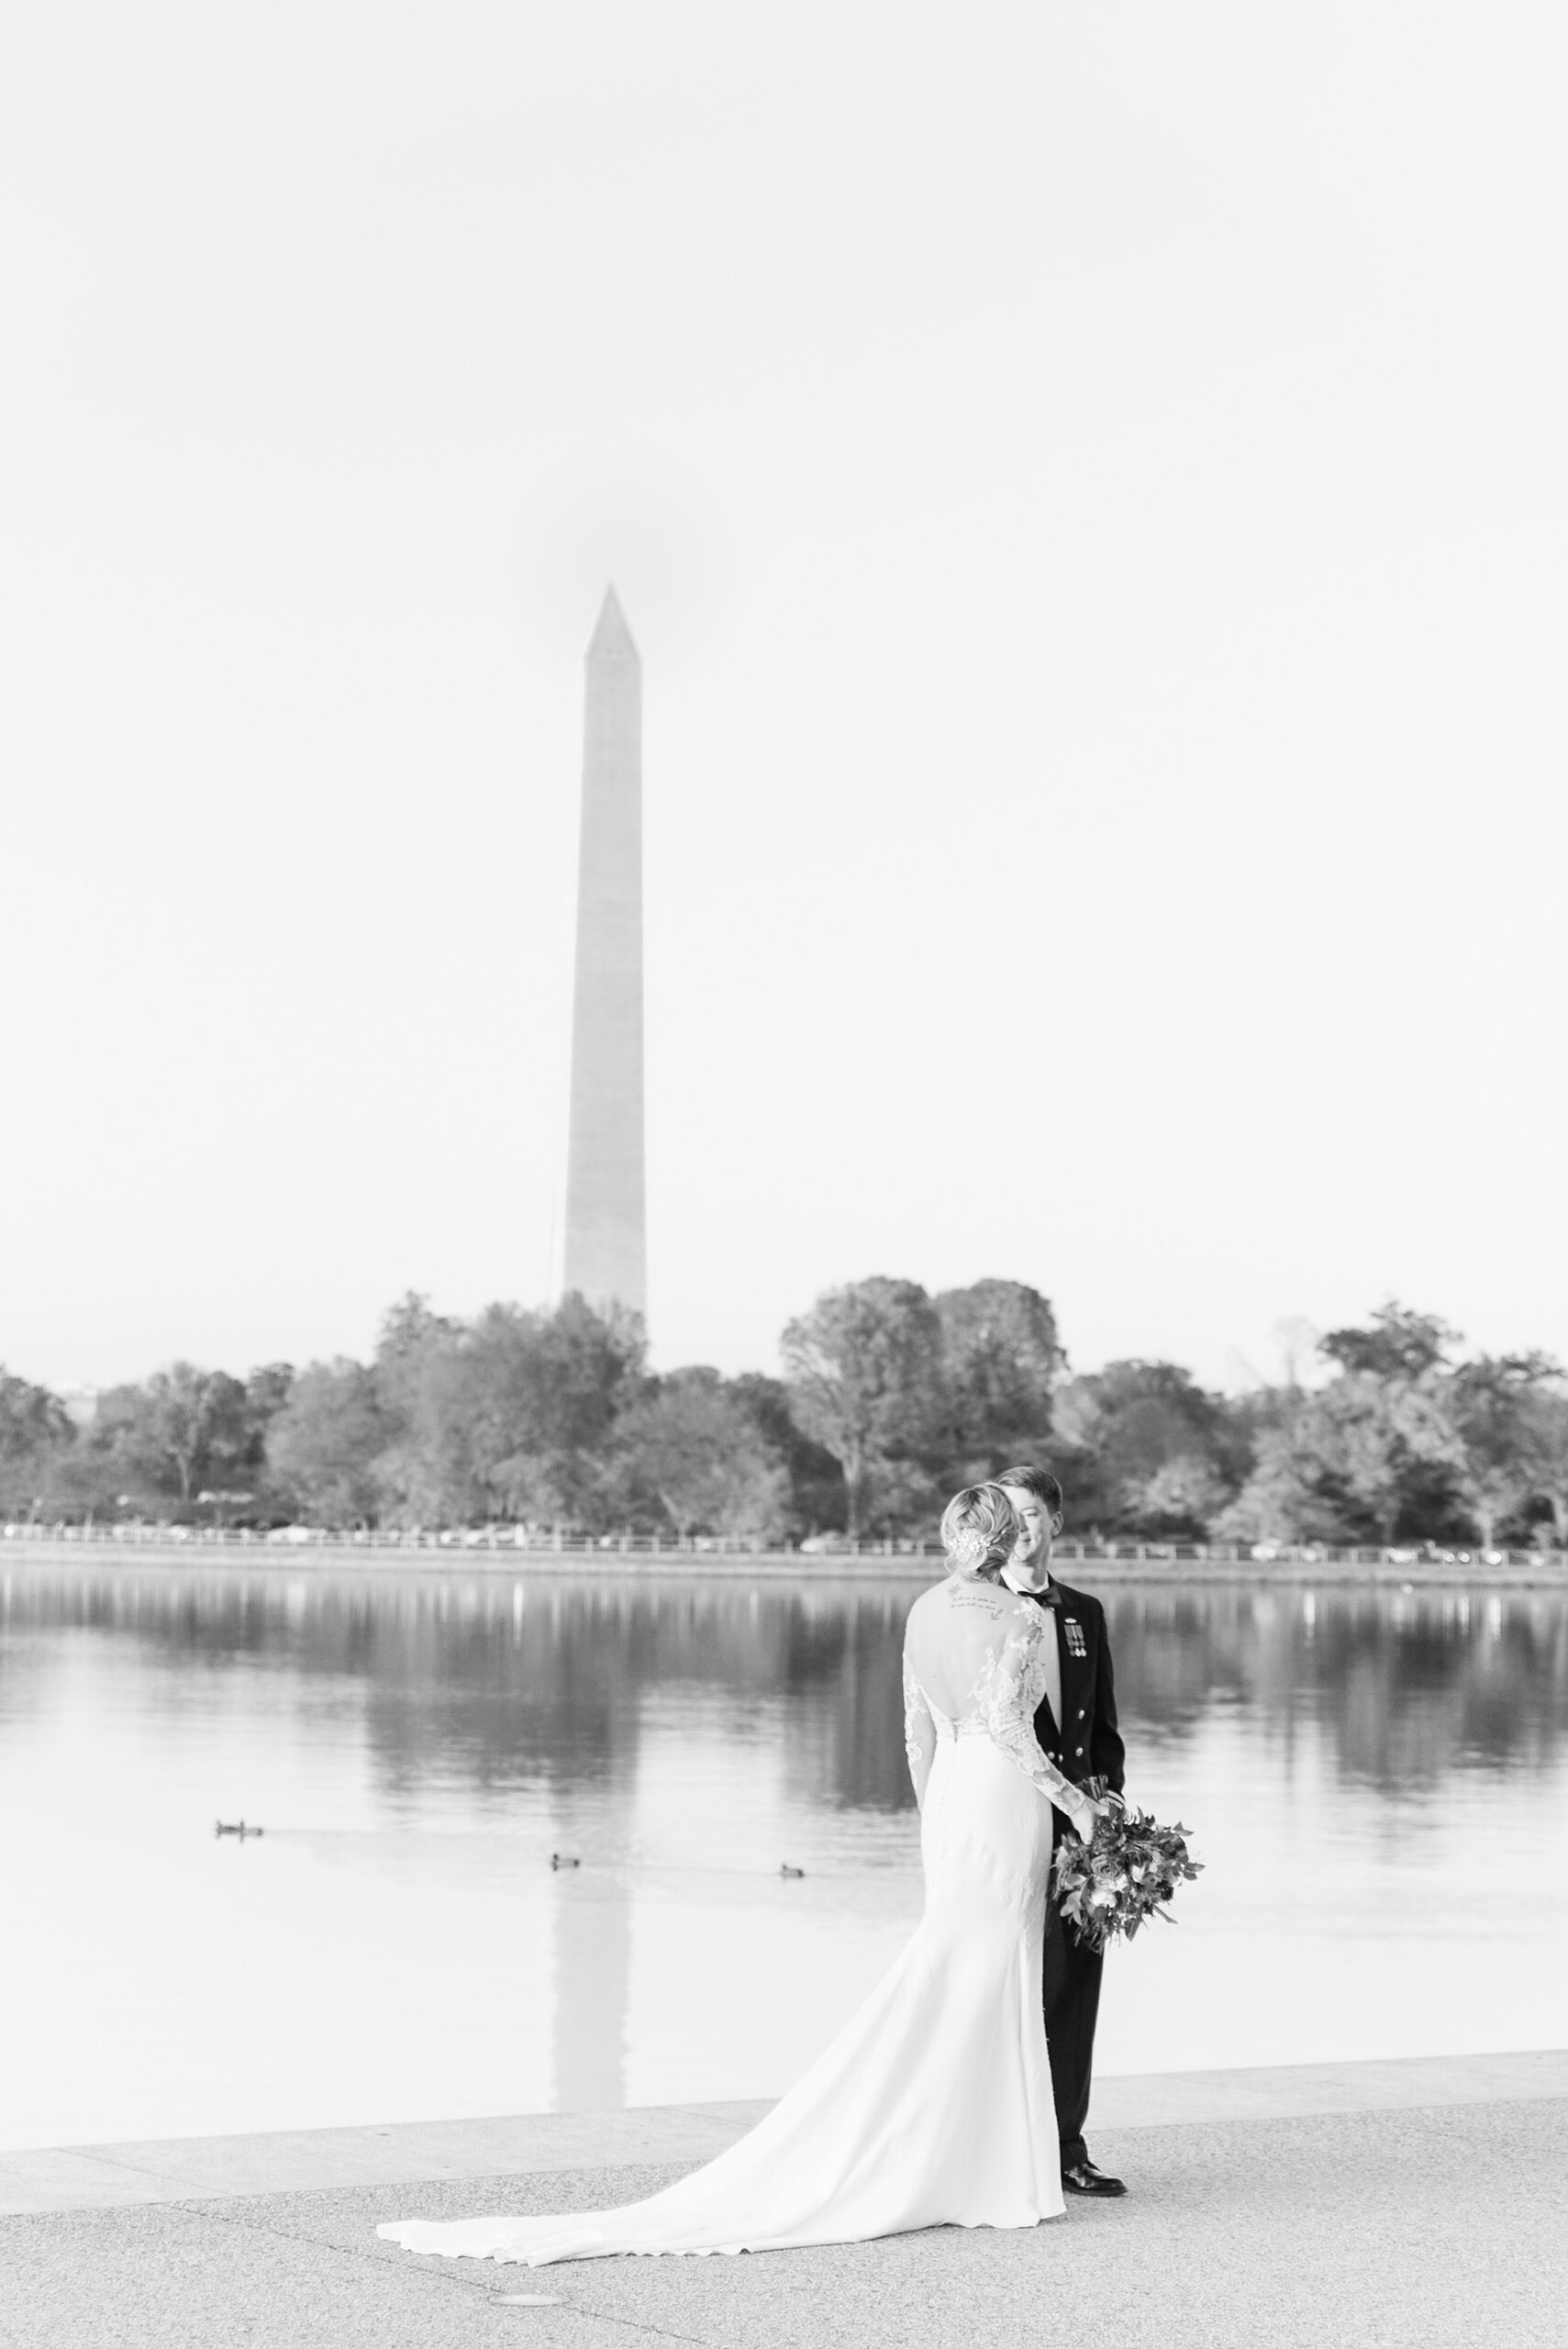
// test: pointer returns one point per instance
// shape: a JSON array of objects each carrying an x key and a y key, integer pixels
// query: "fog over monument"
[{"x": 606, "y": 1246}]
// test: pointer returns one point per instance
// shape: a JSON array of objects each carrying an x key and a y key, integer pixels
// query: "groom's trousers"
[{"x": 1072, "y": 1972}]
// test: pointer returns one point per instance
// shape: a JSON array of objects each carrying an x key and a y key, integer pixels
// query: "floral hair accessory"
[{"x": 980, "y": 1527}]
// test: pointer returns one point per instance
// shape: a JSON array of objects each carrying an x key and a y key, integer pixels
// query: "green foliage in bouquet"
[{"x": 1127, "y": 1872}]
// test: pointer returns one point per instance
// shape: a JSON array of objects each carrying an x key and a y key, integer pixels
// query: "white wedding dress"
[{"x": 933, "y": 2105}]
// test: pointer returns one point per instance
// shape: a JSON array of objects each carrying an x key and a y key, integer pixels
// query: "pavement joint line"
[
  {"x": 108, "y": 2157},
  {"x": 660, "y": 2332},
  {"x": 227, "y": 2216},
  {"x": 443, "y": 2277}
]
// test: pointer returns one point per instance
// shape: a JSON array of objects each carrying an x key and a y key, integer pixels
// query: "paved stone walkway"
[{"x": 1398, "y": 2224}]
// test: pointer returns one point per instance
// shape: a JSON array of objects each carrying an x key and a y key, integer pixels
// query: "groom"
[{"x": 1076, "y": 1729}]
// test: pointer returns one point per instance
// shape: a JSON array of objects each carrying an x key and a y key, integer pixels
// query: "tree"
[
  {"x": 197, "y": 1419},
  {"x": 1388, "y": 1441},
  {"x": 509, "y": 1415},
  {"x": 548, "y": 1388},
  {"x": 181, "y": 1428},
  {"x": 864, "y": 1373},
  {"x": 325, "y": 1443},
  {"x": 267, "y": 1389},
  {"x": 1399, "y": 1344},
  {"x": 35, "y": 1428},
  {"x": 1355, "y": 1462},
  {"x": 1373, "y": 1452},
  {"x": 412, "y": 1351},
  {"x": 689, "y": 1441},
  {"x": 1000, "y": 1357},
  {"x": 1500, "y": 1454},
  {"x": 1279, "y": 1501},
  {"x": 1183, "y": 1497},
  {"x": 816, "y": 1479},
  {"x": 1547, "y": 1412},
  {"x": 410, "y": 1335},
  {"x": 1158, "y": 1454}
]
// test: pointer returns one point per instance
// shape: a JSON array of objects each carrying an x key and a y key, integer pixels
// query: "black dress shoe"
[{"x": 1083, "y": 2178}]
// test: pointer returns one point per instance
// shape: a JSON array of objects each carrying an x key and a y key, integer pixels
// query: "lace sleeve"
[
  {"x": 1010, "y": 1694},
  {"x": 919, "y": 1733}
]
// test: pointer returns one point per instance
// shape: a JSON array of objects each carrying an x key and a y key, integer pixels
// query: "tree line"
[{"x": 890, "y": 1398}]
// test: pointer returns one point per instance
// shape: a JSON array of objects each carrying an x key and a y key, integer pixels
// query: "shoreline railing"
[{"x": 497, "y": 1543}]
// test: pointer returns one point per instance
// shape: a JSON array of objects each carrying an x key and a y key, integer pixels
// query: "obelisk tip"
[{"x": 611, "y": 640}]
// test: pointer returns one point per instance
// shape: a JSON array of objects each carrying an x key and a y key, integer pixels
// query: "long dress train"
[{"x": 933, "y": 2105}]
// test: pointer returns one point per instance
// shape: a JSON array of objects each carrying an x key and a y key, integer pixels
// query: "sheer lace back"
[
  {"x": 974, "y": 1665},
  {"x": 965, "y": 1638}
]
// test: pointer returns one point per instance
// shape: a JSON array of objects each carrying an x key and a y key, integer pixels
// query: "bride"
[{"x": 933, "y": 2105}]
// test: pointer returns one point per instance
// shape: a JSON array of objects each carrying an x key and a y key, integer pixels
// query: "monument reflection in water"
[{"x": 1377, "y": 1781}]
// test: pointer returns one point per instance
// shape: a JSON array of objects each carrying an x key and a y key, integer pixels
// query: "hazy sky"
[{"x": 1088, "y": 484}]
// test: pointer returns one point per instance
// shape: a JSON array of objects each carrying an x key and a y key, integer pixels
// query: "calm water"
[{"x": 1378, "y": 1784}]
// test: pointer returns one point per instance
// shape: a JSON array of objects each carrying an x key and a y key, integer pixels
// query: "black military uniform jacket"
[{"x": 1085, "y": 1742}]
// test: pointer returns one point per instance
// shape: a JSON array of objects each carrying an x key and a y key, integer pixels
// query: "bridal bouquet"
[{"x": 1127, "y": 1872}]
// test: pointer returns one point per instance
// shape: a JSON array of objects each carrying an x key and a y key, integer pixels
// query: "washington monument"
[{"x": 607, "y": 1244}]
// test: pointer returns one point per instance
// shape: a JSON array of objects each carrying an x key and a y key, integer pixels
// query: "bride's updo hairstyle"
[{"x": 980, "y": 1532}]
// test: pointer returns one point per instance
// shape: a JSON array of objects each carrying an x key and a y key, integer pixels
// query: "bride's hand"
[{"x": 1083, "y": 1817}]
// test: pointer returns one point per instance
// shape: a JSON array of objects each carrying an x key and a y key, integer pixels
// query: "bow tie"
[{"x": 1049, "y": 1596}]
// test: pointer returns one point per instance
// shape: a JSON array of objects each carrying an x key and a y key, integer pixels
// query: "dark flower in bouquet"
[{"x": 1127, "y": 1872}]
